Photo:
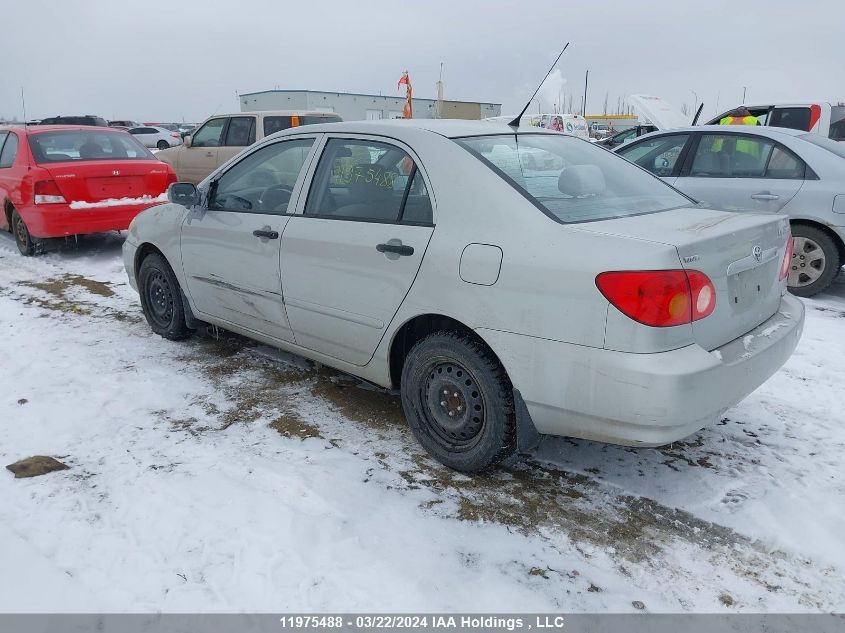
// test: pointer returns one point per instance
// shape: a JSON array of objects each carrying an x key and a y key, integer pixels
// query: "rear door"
[
  {"x": 349, "y": 260},
  {"x": 741, "y": 172},
  {"x": 230, "y": 248},
  {"x": 200, "y": 159}
]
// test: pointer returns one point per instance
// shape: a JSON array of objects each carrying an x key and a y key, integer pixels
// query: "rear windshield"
[
  {"x": 76, "y": 145},
  {"x": 572, "y": 180},
  {"x": 829, "y": 145}
]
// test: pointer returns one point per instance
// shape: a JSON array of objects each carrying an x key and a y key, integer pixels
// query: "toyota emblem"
[{"x": 757, "y": 251}]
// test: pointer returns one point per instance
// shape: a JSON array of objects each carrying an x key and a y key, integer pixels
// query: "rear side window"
[
  {"x": 572, "y": 180},
  {"x": 10, "y": 150},
  {"x": 273, "y": 124},
  {"x": 312, "y": 119},
  {"x": 75, "y": 145},
  {"x": 793, "y": 118},
  {"x": 241, "y": 131},
  {"x": 657, "y": 155},
  {"x": 785, "y": 164},
  {"x": 731, "y": 156},
  {"x": 209, "y": 135},
  {"x": 370, "y": 181}
]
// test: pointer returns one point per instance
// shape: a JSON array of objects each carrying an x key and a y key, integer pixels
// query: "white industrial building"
[{"x": 356, "y": 107}]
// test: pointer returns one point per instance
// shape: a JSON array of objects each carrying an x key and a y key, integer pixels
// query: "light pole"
[
  {"x": 695, "y": 94},
  {"x": 743, "y": 95}
]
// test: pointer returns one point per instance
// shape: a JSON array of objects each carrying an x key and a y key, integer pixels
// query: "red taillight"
[
  {"x": 171, "y": 177},
  {"x": 47, "y": 192},
  {"x": 787, "y": 259},
  {"x": 659, "y": 298},
  {"x": 175, "y": 134}
]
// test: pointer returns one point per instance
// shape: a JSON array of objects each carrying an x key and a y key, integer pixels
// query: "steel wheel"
[
  {"x": 808, "y": 262},
  {"x": 159, "y": 298},
  {"x": 22, "y": 237},
  {"x": 454, "y": 405}
]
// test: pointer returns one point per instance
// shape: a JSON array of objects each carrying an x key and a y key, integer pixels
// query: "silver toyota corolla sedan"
[
  {"x": 569, "y": 294},
  {"x": 765, "y": 169}
]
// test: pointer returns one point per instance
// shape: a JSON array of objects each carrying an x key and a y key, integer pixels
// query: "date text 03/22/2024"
[{"x": 474, "y": 622}]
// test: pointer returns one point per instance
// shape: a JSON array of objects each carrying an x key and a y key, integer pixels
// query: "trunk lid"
[
  {"x": 741, "y": 253},
  {"x": 99, "y": 180}
]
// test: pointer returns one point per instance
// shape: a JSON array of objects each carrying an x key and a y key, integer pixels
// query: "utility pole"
[
  {"x": 695, "y": 94},
  {"x": 743, "y": 95},
  {"x": 586, "y": 81}
]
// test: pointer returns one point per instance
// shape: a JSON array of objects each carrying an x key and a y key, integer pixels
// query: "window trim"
[
  {"x": 296, "y": 190},
  {"x": 384, "y": 140}
]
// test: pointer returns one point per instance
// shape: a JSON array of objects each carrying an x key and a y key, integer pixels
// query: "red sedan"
[{"x": 58, "y": 180}]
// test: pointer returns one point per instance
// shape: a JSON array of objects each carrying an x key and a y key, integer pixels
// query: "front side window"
[
  {"x": 241, "y": 132},
  {"x": 75, "y": 145},
  {"x": 794, "y": 118},
  {"x": 10, "y": 150},
  {"x": 209, "y": 135},
  {"x": 657, "y": 155},
  {"x": 263, "y": 181},
  {"x": 731, "y": 156},
  {"x": 570, "y": 179},
  {"x": 367, "y": 180}
]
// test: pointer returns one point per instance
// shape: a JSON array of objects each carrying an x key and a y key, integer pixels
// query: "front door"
[
  {"x": 349, "y": 260},
  {"x": 741, "y": 172},
  {"x": 230, "y": 249},
  {"x": 199, "y": 158}
]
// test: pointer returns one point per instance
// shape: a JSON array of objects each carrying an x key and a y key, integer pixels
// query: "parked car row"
[
  {"x": 761, "y": 169},
  {"x": 355, "y": 244},
  {"x": 64, "y": 180}
]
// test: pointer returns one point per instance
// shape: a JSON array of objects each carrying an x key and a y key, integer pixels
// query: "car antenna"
[
  {"x": 698, "y": 113},
  {"x": 515, "y": 122}
]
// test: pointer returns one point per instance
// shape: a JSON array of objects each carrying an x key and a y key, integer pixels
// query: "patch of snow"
[{"x": 119, "y": 202}]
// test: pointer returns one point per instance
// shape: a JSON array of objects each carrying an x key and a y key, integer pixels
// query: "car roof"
[
  {"x": 450, "y": 128},
  {"x": 275, "y": 113},
  {"x": 762, "y": 130}
]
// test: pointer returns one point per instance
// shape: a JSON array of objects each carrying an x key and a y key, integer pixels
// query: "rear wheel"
[
  {"x": 815, "y": 261},
  {"x": 162, "y": 144},
  {"x": 22, "y": 237},
  {"x": 459, "y": 402},
  {"x": 161, "y": 298}
]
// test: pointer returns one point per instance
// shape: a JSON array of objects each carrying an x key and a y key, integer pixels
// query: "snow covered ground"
[{"x": 218, "y": 474}]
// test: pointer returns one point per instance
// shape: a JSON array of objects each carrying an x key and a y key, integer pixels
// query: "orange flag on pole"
[{"x": 408, "y": 110}]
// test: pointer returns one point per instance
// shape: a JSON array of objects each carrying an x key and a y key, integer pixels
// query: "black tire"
[
  {"x": 161, "y": 298},
  {"x": 23, "y": 239},
  {"x": 162, "y": 144},
  {"x": 816, "y": 249},
  {"x": 450, "y": 372}
]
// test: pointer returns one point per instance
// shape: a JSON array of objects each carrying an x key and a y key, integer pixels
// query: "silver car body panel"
[{"x": 568, "y": 351}]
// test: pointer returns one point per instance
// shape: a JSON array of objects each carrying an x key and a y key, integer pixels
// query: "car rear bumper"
[
  {"x": 59, "y": 220},
  {"x": 643, "y": 399},
  {"x": 129, "y": 251}
]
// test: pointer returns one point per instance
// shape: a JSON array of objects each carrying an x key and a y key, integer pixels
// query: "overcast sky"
[{"x": 177, "y": 60}]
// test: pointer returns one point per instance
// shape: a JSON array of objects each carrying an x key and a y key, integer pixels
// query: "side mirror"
[
  {"x": 187, "y": 140},
  {"x": 184, "y": 193}
]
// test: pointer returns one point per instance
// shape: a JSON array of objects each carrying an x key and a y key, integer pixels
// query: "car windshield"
[
  {"x": 831, "y": 146},
  {"x": 572, "y": 180},
  {"x": 76, "y": 145}
]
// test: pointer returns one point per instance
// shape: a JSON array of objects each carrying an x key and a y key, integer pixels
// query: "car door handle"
[
  {"x": 399, "y": 249},
  {"x": 765, "y": 196},
  {"x": 266, "y": 234},
  {"x": 209, "y": 154}
]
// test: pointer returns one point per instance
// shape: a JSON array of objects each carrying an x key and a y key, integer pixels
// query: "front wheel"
[
  {"x": 161, "y": 298},
  {"x": 815, "y": 261},
  {"x": 22, "y": 237},
  {"x": 459, "y": 402},
  {"x": 162, "y": 145}
]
